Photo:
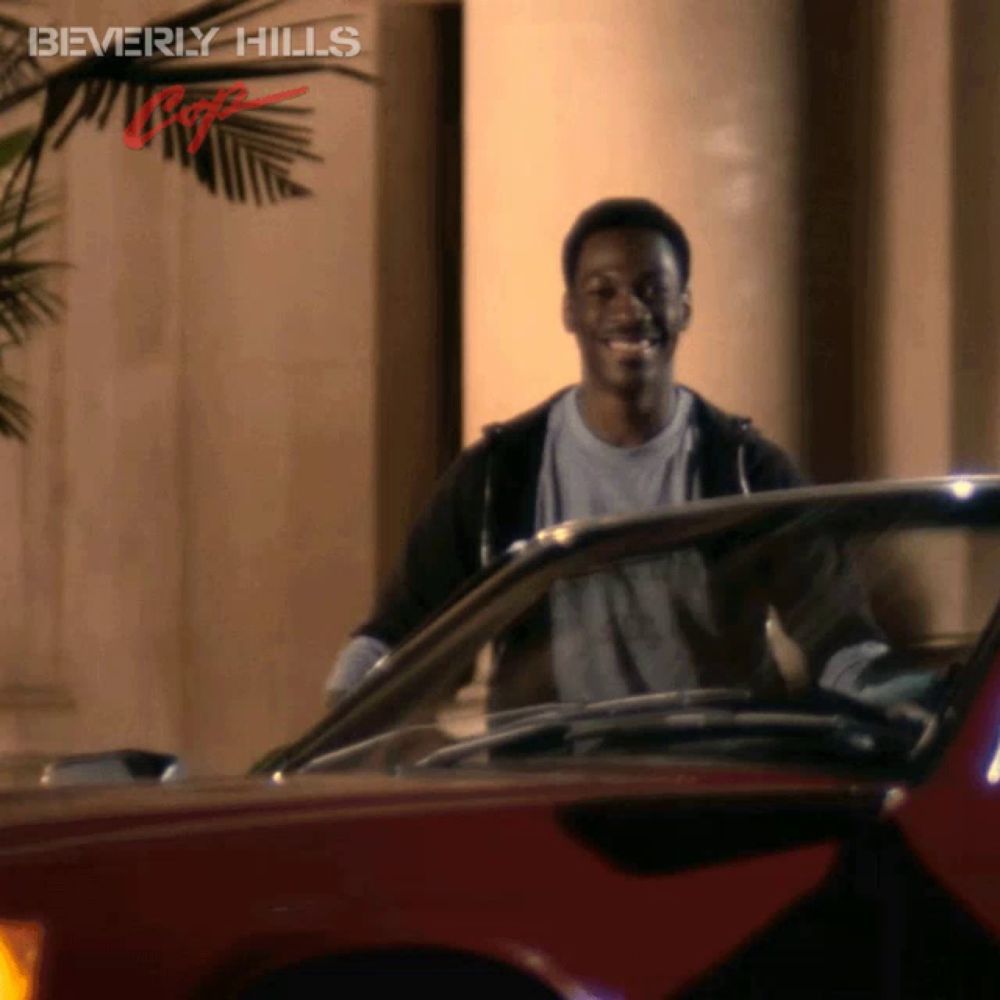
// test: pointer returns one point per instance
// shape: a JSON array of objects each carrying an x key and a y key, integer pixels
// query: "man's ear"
[
  {"x": 569, "y": 320},
  {"x": 685, "y": 309}
]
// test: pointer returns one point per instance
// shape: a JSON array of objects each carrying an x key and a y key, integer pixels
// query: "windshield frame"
[{"x": 510, "y": 585}]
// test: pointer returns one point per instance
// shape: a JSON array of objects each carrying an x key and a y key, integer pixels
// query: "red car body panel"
[
  {"x": 198, "y": 889},
  {"x": 952, "y": 821}
]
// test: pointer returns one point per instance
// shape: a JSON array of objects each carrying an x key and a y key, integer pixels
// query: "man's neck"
[{"x": 626, "y": 421}]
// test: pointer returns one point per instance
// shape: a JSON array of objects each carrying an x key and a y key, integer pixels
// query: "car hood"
[{"x": 111, "y": 810}]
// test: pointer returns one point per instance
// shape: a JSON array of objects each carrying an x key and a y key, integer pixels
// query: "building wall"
[{"x": 191, "y": 531}]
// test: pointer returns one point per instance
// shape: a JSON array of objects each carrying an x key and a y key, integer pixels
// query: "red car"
[{"x": 746, "y": 748}]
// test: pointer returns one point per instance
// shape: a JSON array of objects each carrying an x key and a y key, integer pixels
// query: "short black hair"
[{"x": 624, "y": 213}]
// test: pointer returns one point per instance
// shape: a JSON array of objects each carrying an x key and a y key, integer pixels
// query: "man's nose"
[{"x": 630, "y": 307}]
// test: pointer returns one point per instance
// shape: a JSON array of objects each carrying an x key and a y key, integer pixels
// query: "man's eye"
[
  {"x": 652, "y": 291},
  {"x": 602, "y": 292}
]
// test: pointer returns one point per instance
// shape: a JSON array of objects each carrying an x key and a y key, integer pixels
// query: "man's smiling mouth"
[{"x": 632, "y": 347}]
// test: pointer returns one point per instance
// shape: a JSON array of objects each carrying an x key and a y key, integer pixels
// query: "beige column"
[
  {"x": 976, "y": 355},
  {"x": 692, "y": 103},
  {"x": 412, "y": 441},
  {"x": 937, "y": 361},
  {"x": 910, "y": 383},
  {"x": 976, "y": 350}
]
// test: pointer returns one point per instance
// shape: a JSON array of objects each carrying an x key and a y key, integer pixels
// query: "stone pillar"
[
  {"x": 975, "y": 360},
  {"x": 911, "y": 395},
  {"x": 976, "y": 310}
]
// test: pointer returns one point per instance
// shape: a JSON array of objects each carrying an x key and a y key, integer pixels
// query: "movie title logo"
[
  {"x": 200, "y": 115},
  {"x": 342, "y": 42}
]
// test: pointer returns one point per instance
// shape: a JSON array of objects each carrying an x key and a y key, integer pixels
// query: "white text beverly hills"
[{"x": 342, "y": 42}]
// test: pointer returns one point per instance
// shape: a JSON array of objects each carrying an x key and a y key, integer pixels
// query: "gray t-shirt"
[
  {"x": 582, "y": 476},
  {"x": 616, "y": 633}
]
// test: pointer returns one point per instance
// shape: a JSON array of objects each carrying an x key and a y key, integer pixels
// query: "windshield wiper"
[
  {"x": 684, "y": 716},
  {"x": 627, "y": 705}
]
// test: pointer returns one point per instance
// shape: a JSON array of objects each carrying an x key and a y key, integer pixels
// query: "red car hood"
[{"x": 47, "y": 815}]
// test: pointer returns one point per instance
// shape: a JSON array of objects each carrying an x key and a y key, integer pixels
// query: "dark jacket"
[{"x": 486, "y": 501}]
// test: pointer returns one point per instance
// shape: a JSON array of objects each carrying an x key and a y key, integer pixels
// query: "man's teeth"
[{"x": 622, "y": 346}]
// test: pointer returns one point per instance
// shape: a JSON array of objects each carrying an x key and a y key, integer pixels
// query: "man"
[{"x": 626, "y": 439}]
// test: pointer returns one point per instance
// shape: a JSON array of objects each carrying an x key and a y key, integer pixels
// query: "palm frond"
[
  {"x": 26, "y": 302},
  {"x": 15, "y": 420},
  {"x": 18, "y": 68},
  {"x": 13, "y": 145}
]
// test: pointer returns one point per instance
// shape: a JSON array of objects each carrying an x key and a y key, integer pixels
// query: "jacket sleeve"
[
  {"x": 767, "y": 467},
  {"x": 814, "y": 586},
  {"x": 441, "y": 552}
]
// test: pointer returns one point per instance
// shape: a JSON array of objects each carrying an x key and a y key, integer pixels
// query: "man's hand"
[{"x": 874, "y": 673}]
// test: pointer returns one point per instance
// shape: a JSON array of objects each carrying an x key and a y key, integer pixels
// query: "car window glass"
[{"x": 915, "y": 599}]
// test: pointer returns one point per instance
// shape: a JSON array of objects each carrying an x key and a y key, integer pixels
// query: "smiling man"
[{"x": 627, "y": 438}]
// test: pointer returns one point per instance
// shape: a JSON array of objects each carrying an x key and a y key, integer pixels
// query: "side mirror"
[{"x": 112, "y": 767}]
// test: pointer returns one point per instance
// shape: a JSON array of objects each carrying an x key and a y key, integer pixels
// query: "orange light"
[{"x": 20, "y": 955}]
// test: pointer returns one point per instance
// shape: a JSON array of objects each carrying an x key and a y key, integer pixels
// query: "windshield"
[{"x": 824, "y": 640}]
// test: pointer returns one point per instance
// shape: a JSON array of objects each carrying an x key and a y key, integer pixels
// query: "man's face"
[{"x": 627, "y": 306}]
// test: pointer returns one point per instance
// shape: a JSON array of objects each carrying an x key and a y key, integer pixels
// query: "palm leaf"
[
  {"x": 247, "y": 157},
  {"x": 18, "y": 68},
  {"x": 14, "y": 418},
  {"x": 13, "y": 145},
  {"x": 26, "y": 303}
]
